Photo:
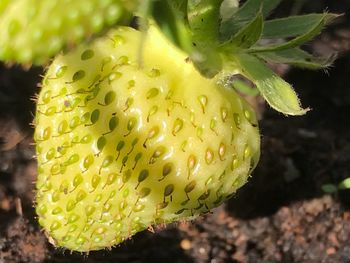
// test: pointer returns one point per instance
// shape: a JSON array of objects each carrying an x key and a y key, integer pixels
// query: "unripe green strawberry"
[
  {"x": 3, "y": 5},
  {"x": 130, "y": 136},
  {"x": 32, "y": 31}
]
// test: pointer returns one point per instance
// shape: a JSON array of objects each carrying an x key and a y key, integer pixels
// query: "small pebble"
[{"x": 185, "y": 244}]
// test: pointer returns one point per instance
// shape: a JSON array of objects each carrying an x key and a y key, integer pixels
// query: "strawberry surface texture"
[
  {"x": 32, "y": 31},
  {"x": 130, "y": 135}
]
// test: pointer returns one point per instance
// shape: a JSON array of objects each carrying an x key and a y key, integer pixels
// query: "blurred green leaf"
[
  {"x": 329, "y": 188},
  {"x": 345, "y": 184}
]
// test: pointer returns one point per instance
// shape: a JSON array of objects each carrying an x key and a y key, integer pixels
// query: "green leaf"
[
  {"x": 278, "y": 93},
  {"x": 345, "y": 184},
  {"x": 248, "y": 35},
  {"x": 311, "y": 32},
  {"x": 294, "y": 25},
  {"x": 298, "y": 58},
  {"x": 245, "y": 15}
]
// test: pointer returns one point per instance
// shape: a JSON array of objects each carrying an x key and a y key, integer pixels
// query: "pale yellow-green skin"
[
  {"x": 198, "y": 141},
  {"x": 32, "y": 31}
]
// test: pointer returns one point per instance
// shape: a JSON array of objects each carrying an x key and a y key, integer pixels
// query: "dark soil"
[{"x": 281, "y": 215}]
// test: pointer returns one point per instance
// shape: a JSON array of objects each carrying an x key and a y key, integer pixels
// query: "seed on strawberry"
[
  {"x": 126, "y": 140},
  {"x": 35, "y": 30}
]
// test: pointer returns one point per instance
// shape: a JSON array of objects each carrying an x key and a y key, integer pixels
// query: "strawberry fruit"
[
  {"x": 129, "y": 136},
  {"x": 32, "y": 31}
]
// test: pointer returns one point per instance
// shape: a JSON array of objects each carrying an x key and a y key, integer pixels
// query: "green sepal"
[
  {"x": 311, "y": 32},
  {"x": 244, "y": 15},
  {"x": 278, "y": 93},
  {"x": 298, "y": 58},
  {"x": 228, "y": 8},
  {"x": 248, "y": 35},
  {"x": 207, "y": 60},
  {"x": 244, "y": 88},
  {"x": 295, "y": 25},
  {"x": 251, "y": 7},
  {"x": 171, "y": 18},
  {"x": 204, "y": 19}
]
